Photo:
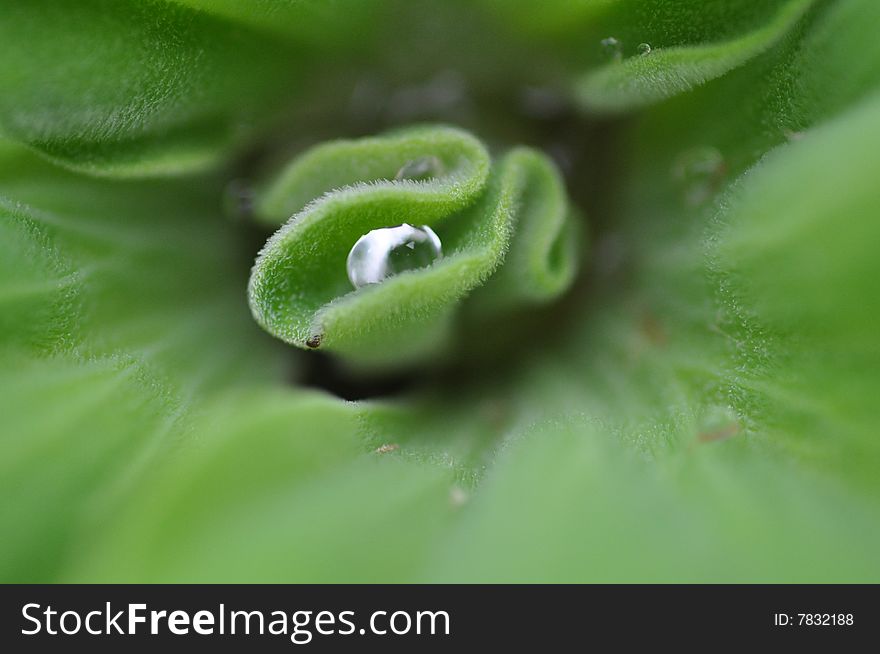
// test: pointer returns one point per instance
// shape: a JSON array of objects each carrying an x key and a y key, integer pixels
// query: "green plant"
[
  {"x": 649, "y": 352},
  {"x": 299, "y": 290}
]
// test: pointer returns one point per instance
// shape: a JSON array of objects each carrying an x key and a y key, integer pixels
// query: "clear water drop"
[
  {"x": 644, "y": 48},
  {"x": 421, "y": 169},
  {"x": 383, "y": 253},
  {"x": 612, "y": 48}
]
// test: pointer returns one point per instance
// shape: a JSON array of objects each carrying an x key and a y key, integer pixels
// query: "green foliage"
[
  {"x": 134, "y": 88},
  {"x": 660, "y": 72},
  {"x": 777, "y": 243},
  {"x": 616, "y": 519},
  {"x": 299, "y": 290},
  {"x": 698, "y": 404},
  {"x": 110, "y": 295}
]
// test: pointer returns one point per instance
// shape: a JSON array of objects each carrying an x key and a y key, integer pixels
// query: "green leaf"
[
  {"x": 95, "y": 266},
  {"x": 71, "y": 429},
  {"x": 133, "y": 88},
  {"x": 566, "y": 504},
  {"x": 797, "y": 266},
  {"x": 294, "y": 456},
  {"x": 111, "y": 294},
  {"x": 663, "y": 71},
  {"x": 299, "y": 290},
  {"x": 698, "y": 407},
  {"x": 327, "y": 24},
  {"x": 463, "y": 168},
  {"x": 836, "y": 64}
]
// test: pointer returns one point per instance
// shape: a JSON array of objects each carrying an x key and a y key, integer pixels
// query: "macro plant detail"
[
  {"x": 439, "y": 291},
  {"x": 481, "y": 210}
]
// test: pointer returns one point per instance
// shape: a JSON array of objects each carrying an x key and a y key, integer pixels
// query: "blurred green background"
[{"x": 700, "y": 406}]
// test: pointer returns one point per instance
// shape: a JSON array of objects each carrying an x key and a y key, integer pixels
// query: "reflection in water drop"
[
  {"x": 644, "y": 48},
  {"x": 389, "y": 251},
  {"x": 421, "y": 169},
  {"x": 611, "y": 48},
  {"x": 700, "y": 171}
]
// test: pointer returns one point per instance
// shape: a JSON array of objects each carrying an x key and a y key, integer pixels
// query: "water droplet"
[
  {"x": 612, "y": 48},
  {"x": 644, "y": 48},
  {"x": 421, "y": 169},
  {"x": 385, "y": 252},
  {"x": 700, "y": 170}
]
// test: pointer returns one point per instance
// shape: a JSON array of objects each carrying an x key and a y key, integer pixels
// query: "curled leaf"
[
  {"x": 481, "y": 211},
  {"x": 664, "y": 72}
]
